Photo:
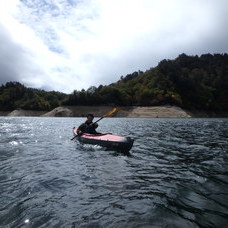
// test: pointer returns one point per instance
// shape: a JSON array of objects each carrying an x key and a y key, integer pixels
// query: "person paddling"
[{"x": 88, "y": 126}]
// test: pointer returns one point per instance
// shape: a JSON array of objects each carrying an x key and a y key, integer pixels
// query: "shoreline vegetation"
[
  {"x": 166, "y": 111},
  {"x": 188, "y": 86}
]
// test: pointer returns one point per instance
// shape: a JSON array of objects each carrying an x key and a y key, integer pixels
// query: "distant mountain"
[
  {"x": 191, "y": 82},
  {"x": 14, "y": 95}
]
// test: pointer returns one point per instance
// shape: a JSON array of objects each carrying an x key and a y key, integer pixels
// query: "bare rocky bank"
[
  {"x": 22, "y": 112},
  {"x": 127, "y": 111},
  {"x": 82, "y": 111}
]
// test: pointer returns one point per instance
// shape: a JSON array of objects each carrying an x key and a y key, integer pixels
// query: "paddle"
[{"x": 105, "y": 115}]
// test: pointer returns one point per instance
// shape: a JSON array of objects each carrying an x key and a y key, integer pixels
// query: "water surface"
[{"x": 175, "y": 174}]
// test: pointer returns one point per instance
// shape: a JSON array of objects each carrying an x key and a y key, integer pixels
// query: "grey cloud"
[
  {"x": 15, "y": 62},
  {"x": 194, "y": 34},
  {"x": 11, "y": 57}
]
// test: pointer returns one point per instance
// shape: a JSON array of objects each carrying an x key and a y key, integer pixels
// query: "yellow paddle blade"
[{"x": 110, "y": 113}]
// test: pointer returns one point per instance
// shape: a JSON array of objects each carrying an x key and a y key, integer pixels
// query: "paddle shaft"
[
  {"x": 106, "y": 115},
  {"x": 98, "y": 120},
  {"x": 74, "y": 137}
]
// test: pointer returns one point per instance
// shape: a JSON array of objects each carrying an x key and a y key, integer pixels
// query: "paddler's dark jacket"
[{"x": 87, "y": 128}]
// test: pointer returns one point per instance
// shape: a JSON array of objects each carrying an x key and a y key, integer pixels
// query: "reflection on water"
[{"x": 174, "y": 176}]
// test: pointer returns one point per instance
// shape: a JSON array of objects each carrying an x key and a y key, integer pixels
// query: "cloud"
[{"x": 65, "y": 45}]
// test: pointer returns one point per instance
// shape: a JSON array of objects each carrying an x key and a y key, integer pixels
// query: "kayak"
[{"x": 107, "y": 140}]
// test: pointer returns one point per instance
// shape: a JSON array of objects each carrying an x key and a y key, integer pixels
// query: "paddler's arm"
[
  {"x": 94, "y": 125},
  {"x": 80, "y": 129}
]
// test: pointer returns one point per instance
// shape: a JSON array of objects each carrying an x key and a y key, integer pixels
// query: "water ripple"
[{"x": 174, "y": 176}]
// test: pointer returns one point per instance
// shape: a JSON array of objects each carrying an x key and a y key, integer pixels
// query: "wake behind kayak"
[{"x": 107, "y": 140}]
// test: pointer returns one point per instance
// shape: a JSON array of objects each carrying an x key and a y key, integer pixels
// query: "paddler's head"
[{"x": 90, "y": 118}]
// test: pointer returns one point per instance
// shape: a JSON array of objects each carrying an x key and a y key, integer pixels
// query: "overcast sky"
[{"x": 65, "y": 45}]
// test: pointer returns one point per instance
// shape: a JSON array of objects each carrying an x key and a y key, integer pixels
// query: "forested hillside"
[
  {"x": 191, "y": 82},
  {"x": 15, "y": 95}
]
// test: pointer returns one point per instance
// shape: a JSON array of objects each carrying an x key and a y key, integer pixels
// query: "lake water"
[{"x": 176, "y": 174}]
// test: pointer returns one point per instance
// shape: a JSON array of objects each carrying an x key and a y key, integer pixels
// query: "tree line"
[
  {"x": 14, "y": 95},
  {"x": 191, "y": 82}
]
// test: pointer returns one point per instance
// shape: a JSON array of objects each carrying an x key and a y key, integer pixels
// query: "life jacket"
[{"x": 89, "y": 129}]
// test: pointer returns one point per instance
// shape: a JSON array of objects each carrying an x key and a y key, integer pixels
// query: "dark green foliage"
[
  {"x": 15, "y": 95},
  {"x": 190, "y": 82}
]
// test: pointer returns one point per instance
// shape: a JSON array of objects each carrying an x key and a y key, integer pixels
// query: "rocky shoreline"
[{"x": 127, "y": 111}]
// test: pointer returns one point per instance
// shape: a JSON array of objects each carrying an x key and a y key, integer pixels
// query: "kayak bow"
[{"x": 107, "y": 140}]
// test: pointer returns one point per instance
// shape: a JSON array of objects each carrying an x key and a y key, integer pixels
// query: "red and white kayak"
[{"x": 107, "y": 140}]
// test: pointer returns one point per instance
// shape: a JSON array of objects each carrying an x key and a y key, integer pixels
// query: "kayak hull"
[{"x": 108, "y": 140}]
